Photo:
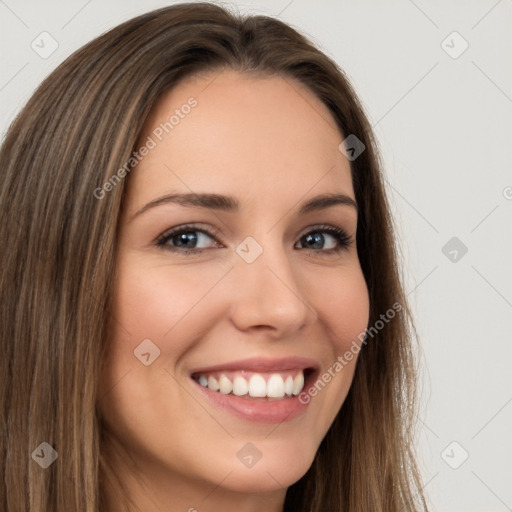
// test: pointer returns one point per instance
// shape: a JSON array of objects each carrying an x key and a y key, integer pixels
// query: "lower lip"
[{"x": 276, "y": 411}]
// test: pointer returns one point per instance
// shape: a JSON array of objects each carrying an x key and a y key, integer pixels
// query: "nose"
[{"x": 268, "y": 296}]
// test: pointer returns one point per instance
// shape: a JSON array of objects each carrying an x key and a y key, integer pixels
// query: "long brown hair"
[{"x": 58, "y": 262}]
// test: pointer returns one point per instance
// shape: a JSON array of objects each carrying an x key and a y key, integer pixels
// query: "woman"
[{"x": 201, "y": 304}]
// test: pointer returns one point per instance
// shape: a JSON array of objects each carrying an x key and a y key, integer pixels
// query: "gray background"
[{"x": 444, "y": 124}]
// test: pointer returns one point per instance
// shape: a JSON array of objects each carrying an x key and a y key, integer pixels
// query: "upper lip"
[{"x": 260, "y": 364}]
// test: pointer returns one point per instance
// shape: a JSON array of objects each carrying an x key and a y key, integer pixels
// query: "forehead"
[{"x": 265, "y": 137}]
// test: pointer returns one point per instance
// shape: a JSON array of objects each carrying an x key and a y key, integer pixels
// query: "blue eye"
[
  {"x": 190, "y": 239},
  {"x": 187, "y": 239},
  {"x": 334, "y": 238}
]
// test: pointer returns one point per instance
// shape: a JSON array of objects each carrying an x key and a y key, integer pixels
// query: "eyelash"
[{"x": 340, "y": 235}]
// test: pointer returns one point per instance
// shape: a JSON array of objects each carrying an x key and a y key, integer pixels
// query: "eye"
[
  {"x": 190, "y": 239},
  {"x": 327, "y": 239},
  {"x": 187, "y": 239}
]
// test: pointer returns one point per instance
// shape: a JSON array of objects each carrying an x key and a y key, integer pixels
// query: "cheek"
[
  {"x": 174, "y": 309},
  {"x": 170, "y": 308},
  {"x": 341, "y": 301},
  {"x": 157, "y": 302}
]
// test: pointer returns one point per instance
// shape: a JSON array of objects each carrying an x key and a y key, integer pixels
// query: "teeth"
[
  {"x": 240, "y": 386},
  {"x": 225, "y": 385},
  {"x": 275, "y": 386},
  {"x": 258, "y": 385},
  {"x": 298, "y": 383},
  {"x": 288, "y": 385},
  {"x": 213, "y": 383}
]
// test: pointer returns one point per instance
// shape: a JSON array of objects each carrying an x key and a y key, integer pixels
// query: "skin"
[{"x": 271, "y": 144}]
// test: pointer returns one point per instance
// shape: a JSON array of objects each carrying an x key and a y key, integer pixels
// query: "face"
[{"x": 222, "y": 305}]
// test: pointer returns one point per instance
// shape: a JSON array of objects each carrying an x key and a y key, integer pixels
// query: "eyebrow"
[{"x": 230, "y": 204}]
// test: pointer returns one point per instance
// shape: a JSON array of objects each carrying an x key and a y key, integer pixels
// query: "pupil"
[
  {"x": 316, "y": 241},
  {"x": 184, "y": 238}
]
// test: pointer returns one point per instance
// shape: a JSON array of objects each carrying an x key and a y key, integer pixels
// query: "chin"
[{"x": 278, "y": 466}]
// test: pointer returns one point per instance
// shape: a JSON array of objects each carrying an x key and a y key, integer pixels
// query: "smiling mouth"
[{"x": 256, "y": 386}]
